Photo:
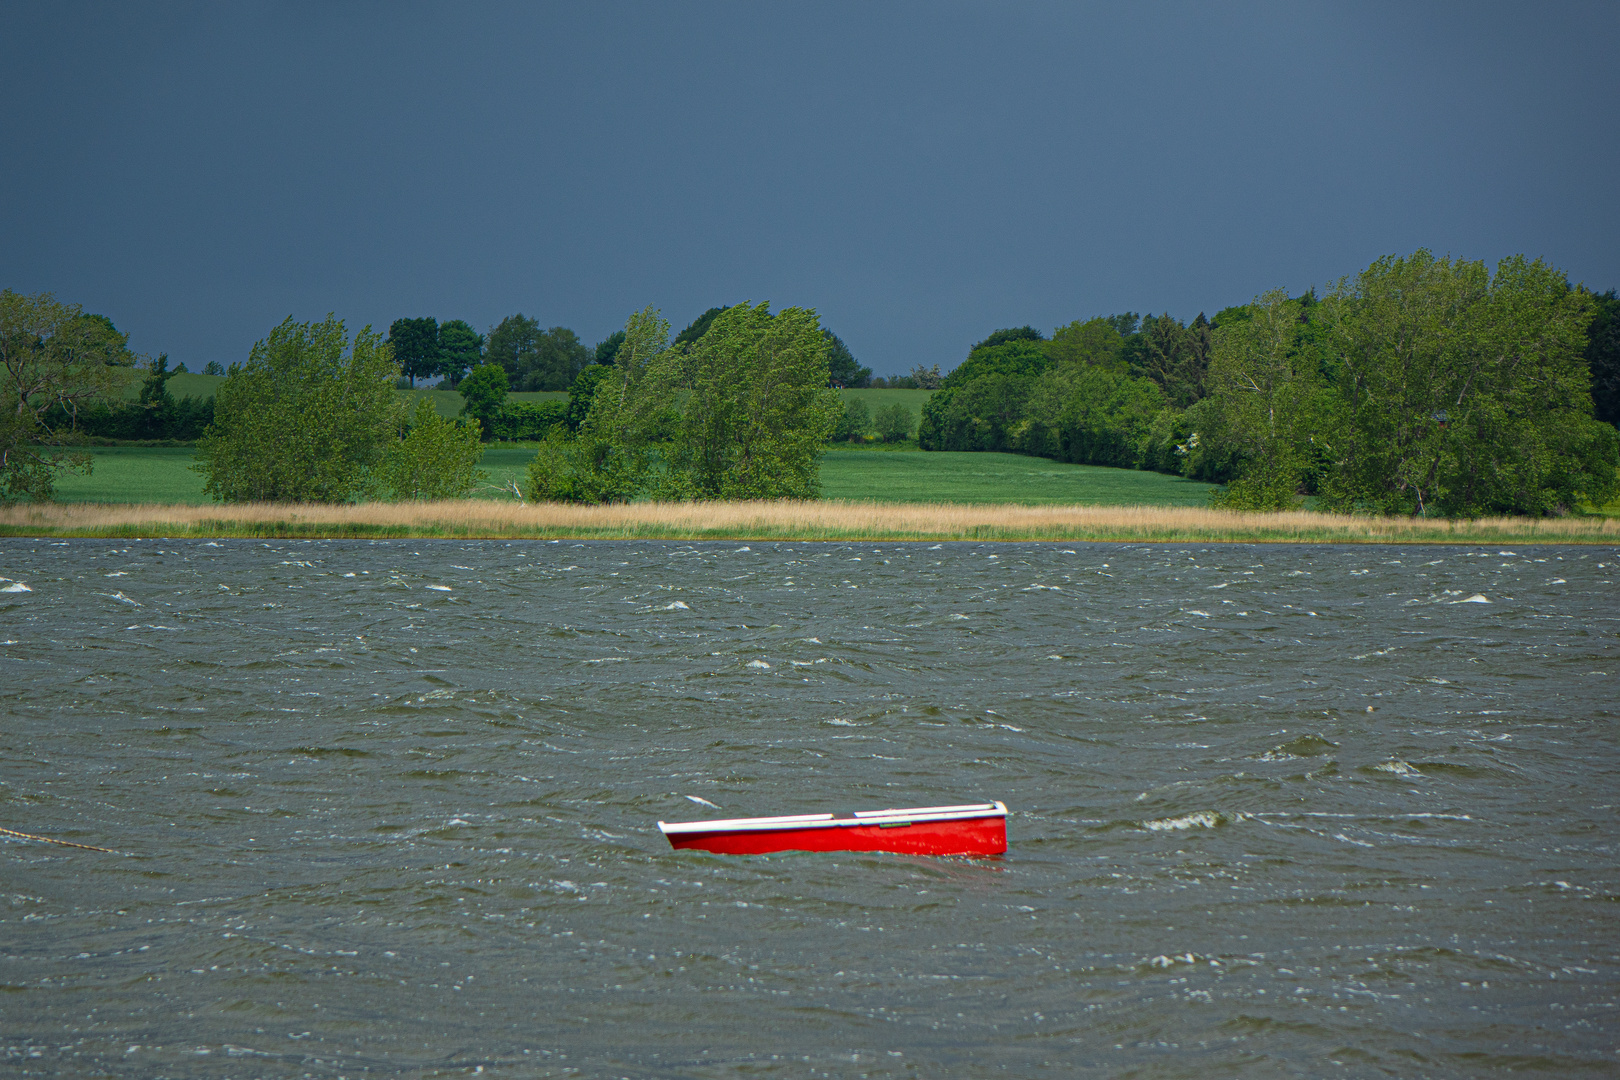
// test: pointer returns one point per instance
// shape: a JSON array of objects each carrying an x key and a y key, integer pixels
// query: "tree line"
[{"x": 1420, "y": 385}]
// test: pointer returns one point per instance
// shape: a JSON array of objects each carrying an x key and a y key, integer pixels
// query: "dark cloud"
[{"x": 921, "y": 173}]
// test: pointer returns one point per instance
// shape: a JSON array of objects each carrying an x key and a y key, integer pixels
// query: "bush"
[
  {"x": 437, "y": 458},
  {"x": 306, "y": 419},
  {"x": 527, "y": 420},
  {"x": 894, "y": 423},
  {"x": 853, "y": 423}
]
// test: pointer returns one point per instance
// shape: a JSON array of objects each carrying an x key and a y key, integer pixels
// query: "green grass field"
[
  {"x": 915, "y": 476},
  {"x": 163, "y": 475}
]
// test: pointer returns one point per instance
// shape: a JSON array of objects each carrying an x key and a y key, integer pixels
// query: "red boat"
[{"x": 975, "y": 829}]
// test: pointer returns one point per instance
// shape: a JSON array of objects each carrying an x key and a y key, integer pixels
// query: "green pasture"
[
  {"x": 163, "y": 475},
  {"x": 915, "y": 476}
]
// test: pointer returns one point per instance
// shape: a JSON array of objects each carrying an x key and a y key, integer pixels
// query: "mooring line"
[{"x": 48, "y": 840}]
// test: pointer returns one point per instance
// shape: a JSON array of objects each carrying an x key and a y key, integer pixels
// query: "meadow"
[{"x": 127, "y": 474}]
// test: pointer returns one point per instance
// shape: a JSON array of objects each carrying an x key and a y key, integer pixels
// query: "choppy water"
[{"x": 388, "y": 808}]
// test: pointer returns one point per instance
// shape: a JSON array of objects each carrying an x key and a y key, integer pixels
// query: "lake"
[{"x": 388, "y": 808}]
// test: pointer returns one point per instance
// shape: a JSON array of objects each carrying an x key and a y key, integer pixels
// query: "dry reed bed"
[{"x": 823, "y": 520}]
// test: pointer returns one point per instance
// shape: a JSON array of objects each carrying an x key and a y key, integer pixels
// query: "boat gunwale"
[{"x": 793, "y": 822}]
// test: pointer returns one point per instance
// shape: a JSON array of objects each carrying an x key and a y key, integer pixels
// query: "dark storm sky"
[{"x": 920, "y": 173}]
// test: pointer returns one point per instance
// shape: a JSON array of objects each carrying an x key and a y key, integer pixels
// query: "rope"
[{"x": 48, "y": 840}]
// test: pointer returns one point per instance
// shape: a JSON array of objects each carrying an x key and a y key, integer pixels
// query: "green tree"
[
  {"x": 583, "y": 390},
  {"x": 437, "y": 458},
  {"x": 608, "y": 347},
  {"x": 697, "y": 328},
  {"x": 842, "y": 367},
  {"x": 1093, "y": 343},
  {"x": 1464, "y": 392},
  {"x": 1603, "y": 356},
  {"x": 1170, "y": 354},
  {"x": 461, "y": 348},
  {"x": 853, "y": 423},
  {"x": 54, "y": 362},
  {"x": 416, "y": 347},
  {"x": 756, "y": 410},
  {"x": 894, "y": 422},
  {"x": 609, "y": 460},
  {"x": 1271, "y": 396},
  {"x": 483, "y": 394},
  {"x": 213, "y": 367},
  {"x": 308, "y": 418}
]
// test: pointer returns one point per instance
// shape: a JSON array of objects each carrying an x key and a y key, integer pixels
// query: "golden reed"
[{"x": 818, "y": 520}]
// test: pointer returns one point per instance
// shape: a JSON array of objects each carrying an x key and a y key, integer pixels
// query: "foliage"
[
  {"x": 54, "y": 361},
  {"x": 213, "y": 367},
  {"x": 155, "y": 415},
  {"x": 894, "y": 422},
  {"x": 1093, "y": 343},
  {"x": 756, "y": 407},
  {"x": 527, "y": 420},
  {"x": 1174, "y": 356},
  {"x": 583, "y": 390},
  {"x": 853, "y": 423},
  {"x": 461, "y": 348},
  {"x": 609, "y": 459},
  {"x": 534, "y": 359},
  {"x": 306, "y": 419},
  {"x": 921, "y": 378},
  {"x": 1603, "y": 356},
  {"x": 1016, "y": 333},
  {"x": 608, "y": 348},
  {"x": 1464, "y": 391},
  {"x": 484, "y": 390},
  {"x": 1269, "y": 383},
  {"x": 416, "y": 347},
  {"x": 843, "y": 370},
  {"x": 698, "y": 327},
  {"x": 1089, "y": 416},
  {"x": 1019, "y": 356},
  {"x": 437, "y": 458}
]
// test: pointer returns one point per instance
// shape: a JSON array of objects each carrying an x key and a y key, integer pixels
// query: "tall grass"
[{"x": 824, "y": 520}]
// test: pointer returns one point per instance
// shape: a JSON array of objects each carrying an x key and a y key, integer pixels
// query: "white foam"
[
  {"x": 1398, "y": 767},
  {"x": 438, "y": 588},
  {"x": 674, "y": 605},
  {"x": 702, "y": 802},
  {"x": 16, "y": 586},
  {"x": 1477, "y": 598},
  {"x": 758, "y": 664},
  {"x": 1204, "y": 819}
]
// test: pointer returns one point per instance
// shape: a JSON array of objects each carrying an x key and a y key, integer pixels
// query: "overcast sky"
[{"x": 921, "y": 174}]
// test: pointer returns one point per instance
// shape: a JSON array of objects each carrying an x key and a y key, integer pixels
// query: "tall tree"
[
  {"x": 630, "y": 404},
  {"x": 696, "y": 329},
  {"x": 1603, "y": 356},
  {"x": 1093, "y": 343},
  {"x": 1464, "y": 392},
  {"x": 513, "y": 345},
  {"x": 461, "y": 348},
  {"x": 757, "y": 408},
  {"x": 1270, "y": 391},
  {"x": 416, "y": 346},
  {"x": 306, "y": 419},
  {"x": 842, "y": 367},
  {"x": 483, "y": 394},
  {"x": 608, "y": 347},
  {"x": 54, "y": 361}
]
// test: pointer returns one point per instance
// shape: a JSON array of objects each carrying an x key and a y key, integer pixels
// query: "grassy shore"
[{"x": 825, "y": 520}]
